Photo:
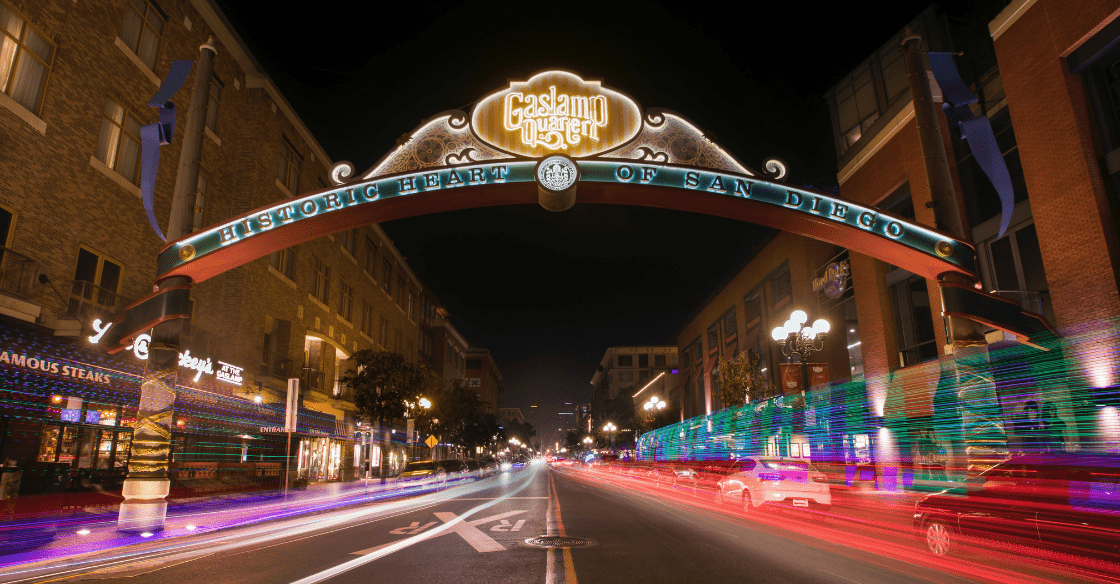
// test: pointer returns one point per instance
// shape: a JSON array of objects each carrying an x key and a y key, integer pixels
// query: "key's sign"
[{"x": 556, "y": 112}]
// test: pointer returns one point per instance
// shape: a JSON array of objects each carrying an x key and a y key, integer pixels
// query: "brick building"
[
  {"x": 78, "y": 246},
  {"x": 1044, "y": 74}
]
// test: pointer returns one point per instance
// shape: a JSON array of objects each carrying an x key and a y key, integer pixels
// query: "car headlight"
[{"x": 506, "y": 466}]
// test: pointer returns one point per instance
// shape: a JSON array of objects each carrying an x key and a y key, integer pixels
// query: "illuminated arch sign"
[
  {"x": 542, "y": 139},
  {"x": 811, "y": 213}
]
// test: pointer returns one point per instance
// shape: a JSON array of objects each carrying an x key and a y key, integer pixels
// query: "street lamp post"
[
  {"x": 610, "y": 429},
  {"x": 424, "y": 403},
  {"x": 800, "y": 340}
]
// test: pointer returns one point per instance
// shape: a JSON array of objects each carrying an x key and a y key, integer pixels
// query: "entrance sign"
[
  {"x": 556, "y": 112},
  {"x": 566, "y": 134},
  {"x": 918, "y": 248}
]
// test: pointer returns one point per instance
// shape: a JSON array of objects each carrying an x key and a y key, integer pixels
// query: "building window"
[
  {"x": 643, "y": 361},
  {"x": 474, "y": 363},
  {"x": 96, "y": 283},
  {"x": 371, "y": 257},
  {"x": 400, "y": 292},
  {"x": 216, "y": 87},
  {"x": 913, "y": 321},
  {"x": 367, "y": 319},
  {"x": 893, "y": 64},
  {"x": 200, "y": 203},
  {"x": 1015, "y": 269},
  {"x": 397, "y": 340},
  {"x": 753, "y": 302},
  {"x": 345, "y": 301},
  {"x": 321, "y": 279},
  {"x": 474, "y": 382},
  {"x": 659, "y": 360},
  {"x": 25, "y": 61},
  {"x": 118, "y": 146},
  {"x": 625, "y": 376},
  {"x": 411, "y": 301},
  {"x": 783, "y": 291},
  {"x": 856, "y": 106},
  {"x": 625, "y": 360},
  {"x": 349, "y": 243},
  {"x": 287, "y": 172},
  {"x": 384, "y": 340},
  {"x": 386, "y": 274},
  {"x": 713, "y": 338},
  {"x": 143, "y": 30},
  {"x": 281, "y": 261}
]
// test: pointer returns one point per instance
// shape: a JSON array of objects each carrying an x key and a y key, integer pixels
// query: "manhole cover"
[{"x": 558, "y": 541}]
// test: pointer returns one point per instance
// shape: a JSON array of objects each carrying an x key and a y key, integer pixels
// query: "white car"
[{"x": 756, "y": 481}]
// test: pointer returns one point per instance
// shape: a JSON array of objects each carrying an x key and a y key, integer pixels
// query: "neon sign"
[
  {"x": 821, "y": 207},
  {"x": 556, "y": 111},
  {"x": 554, "y": 121}
]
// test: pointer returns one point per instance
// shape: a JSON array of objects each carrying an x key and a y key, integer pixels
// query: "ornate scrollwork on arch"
[
  {"x": 442, "y": 140},
  {"x": 669, "y": 138}
]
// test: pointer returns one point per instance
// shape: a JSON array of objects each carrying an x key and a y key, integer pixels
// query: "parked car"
[
  {"x": 490, "y": 465},
  {"x": 422, "y": 472},
  {"x": 1060, "y": 502},
  {"x": 758, "y": 481},
  {"x": 678, "y": 475},
  {"x": 456, "y": 469},
  {"x": 474, "y": 469}
]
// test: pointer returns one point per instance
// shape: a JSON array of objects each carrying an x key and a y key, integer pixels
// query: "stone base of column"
[{"x": 145, "y": 505}]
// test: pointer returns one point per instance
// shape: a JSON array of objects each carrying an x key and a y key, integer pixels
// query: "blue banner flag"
[
  {"x": 977, "y": 131},
  {"x": 154, "y": 135}
]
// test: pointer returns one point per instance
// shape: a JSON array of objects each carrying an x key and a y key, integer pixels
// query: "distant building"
[
  {"x": 651, "y": 370},
  {"x": 483, "y": 376},
  {"x": 508, "y": 414}
]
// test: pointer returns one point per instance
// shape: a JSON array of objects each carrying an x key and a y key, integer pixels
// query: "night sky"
[{"x": 547, "y": 293}]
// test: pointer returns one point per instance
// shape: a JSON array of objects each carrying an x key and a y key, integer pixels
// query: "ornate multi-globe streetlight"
[
  {"x": 798, "y": 339},
  {"x": 610, "y": 429},
  {"x": 654, "y": 404}
]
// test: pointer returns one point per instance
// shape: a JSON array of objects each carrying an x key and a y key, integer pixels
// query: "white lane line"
[
  {"x": 400, "y": 545},
  {"x": 840, "y": 577}
]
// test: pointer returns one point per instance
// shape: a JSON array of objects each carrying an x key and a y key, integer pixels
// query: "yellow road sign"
[{"x": 431, "y": 442}]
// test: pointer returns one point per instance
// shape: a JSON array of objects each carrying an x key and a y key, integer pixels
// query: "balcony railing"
[
  {"x": 17, "y": 273},
  {"x": 89, "y": 301},
  {"x": 277, "y": 365}
]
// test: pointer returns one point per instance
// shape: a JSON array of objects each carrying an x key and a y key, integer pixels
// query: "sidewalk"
[{"x": 86, "y": 530}]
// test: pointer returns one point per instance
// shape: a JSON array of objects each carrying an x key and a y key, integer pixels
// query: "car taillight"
[{"x": 769, "y": 476}]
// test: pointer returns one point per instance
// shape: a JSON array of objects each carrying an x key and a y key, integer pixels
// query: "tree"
[
  {"x": 741, "y": 381},
  {"x": 384, "y": 384},
  {"x": 459, "y": 411}
]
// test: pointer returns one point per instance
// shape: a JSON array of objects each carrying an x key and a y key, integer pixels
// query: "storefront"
[{"x": 66, "y": 413}]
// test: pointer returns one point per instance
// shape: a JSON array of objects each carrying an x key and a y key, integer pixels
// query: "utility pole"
[{"x": 147, "y": 485}]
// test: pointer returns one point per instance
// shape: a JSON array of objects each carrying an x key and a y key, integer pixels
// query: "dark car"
[
  {"x": 1067, "y": 503},
  {"x": 456, "y": 469},
  {"x": 474, "y": 468},
  {"x": 490, "y": 466}
]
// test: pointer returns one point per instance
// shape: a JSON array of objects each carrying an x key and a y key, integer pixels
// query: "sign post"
[
  {"x": 431, "y": 442},
  {"x": 291, "y": 413}
]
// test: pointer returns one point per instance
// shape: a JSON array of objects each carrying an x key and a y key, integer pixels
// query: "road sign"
[{"x": 431, "y": 442}]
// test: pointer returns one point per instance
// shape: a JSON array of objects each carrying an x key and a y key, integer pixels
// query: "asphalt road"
[{"x": 478, "y": 532}]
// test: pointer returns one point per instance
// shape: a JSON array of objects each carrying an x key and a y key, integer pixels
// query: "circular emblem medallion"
[
  {"x": 186, "y": 253},
  {"x": 944, "y": 249},
  {"x": 557, "y": 173}
]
